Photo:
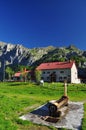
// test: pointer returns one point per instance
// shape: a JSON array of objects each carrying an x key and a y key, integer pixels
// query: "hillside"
[{"x": 64, "y": 54}]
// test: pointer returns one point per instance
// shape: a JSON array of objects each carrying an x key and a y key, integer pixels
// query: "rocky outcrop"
[{"x": 18, "y": 54}]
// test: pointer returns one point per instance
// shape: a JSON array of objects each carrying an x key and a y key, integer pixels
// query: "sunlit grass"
[{"x": 18, "y": 98}]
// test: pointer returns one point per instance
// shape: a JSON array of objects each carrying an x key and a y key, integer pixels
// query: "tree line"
[{"x": 24, "y": 76}]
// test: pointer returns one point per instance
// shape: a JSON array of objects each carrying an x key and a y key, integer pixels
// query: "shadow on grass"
[
  {"x": 42, "y": 111},
  {"x": 18, "y": 83}
]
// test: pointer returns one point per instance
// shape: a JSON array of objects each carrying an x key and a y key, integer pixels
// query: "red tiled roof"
[
  {"x": 19, "y": 73},
  {"x": 55, "y": 65}
]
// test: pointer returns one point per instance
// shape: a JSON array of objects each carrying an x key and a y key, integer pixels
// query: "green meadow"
[{"x": 18, "y": 98}]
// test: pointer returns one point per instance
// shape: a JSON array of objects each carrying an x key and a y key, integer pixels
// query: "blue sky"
[{"x": 41, "y": 23}]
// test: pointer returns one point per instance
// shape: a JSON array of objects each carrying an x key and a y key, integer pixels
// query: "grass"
[{"x": 18, "y": 98}]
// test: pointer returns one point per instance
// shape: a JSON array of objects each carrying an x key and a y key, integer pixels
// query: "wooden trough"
[
  {"x": 55, "y": 106},
  {"x": 58, "y": 108}
]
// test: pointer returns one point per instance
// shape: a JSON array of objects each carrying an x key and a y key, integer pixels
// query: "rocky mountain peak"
[
  {"x": 18, "y": 54},
  {"x": 2, "y": 43}
]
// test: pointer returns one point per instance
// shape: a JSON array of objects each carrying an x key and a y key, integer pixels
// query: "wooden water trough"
[
  {"x": 58, "y": 108},
  {"x": 55, "y": 106}
]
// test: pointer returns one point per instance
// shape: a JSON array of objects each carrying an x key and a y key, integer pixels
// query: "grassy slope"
[{"x": 19, "y": 98}]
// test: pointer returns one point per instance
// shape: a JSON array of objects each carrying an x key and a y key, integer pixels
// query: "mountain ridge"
[{"x": 14, "y": 54}]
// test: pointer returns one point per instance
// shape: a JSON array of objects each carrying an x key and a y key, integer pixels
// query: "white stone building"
[{"x": 59, "y": 72}]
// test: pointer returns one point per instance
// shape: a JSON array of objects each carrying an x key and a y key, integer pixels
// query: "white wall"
[
  {"x": 74, "y": 75},
  {"x": 66, "y": 74}
]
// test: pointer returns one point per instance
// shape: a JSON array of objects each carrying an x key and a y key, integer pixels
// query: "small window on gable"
[{"x": 48, "y": 72}]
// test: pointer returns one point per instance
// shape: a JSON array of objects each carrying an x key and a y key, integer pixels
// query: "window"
[
  {"x": 47, "y": 78},
  {"x": 54, "y": 72},
  {"x": 43, "y": 72},
  {"x": 42, "y": 78},
  {"x": 65, "y": 77},
  {"x": 48, "y": 72},
  {"x": 61, "y": 71},
  {"x": 60, "y": 78}
]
